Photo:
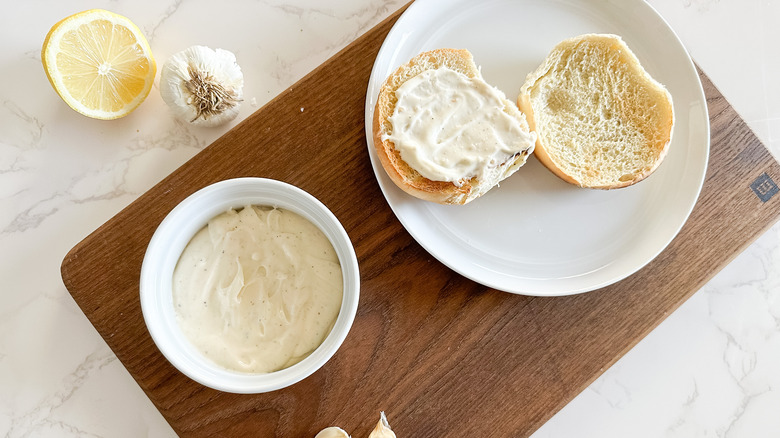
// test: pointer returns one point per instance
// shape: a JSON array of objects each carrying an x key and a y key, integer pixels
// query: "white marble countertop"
[{"x": 709, "y": 370}]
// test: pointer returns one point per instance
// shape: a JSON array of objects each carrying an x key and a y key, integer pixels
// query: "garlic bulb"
[
  {"x": 202, "y": 86},
  {"x": 332, "y": 432},
  {"x": 382, "y": 429}
]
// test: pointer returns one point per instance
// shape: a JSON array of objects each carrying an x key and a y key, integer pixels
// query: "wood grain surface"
[{"x": 440, "y": 354}]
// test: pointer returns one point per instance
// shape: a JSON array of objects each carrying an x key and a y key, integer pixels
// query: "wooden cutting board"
[{"x": 440, "y": 354}]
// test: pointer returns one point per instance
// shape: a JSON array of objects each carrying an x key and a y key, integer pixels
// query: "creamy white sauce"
[
  {"x": 448, "y": 126},
  {"x": 257, "y": 290}
]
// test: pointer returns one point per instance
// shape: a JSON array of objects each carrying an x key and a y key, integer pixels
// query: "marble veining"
[
  {"x": 33, "y": 125},
  {"x": 152, "y": 33},
  {"x": 709, "y": 370},
  {"x": 39, "y": 417}
]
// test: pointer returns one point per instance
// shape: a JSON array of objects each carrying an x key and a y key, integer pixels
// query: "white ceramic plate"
[{"x": 536, "y": 234}]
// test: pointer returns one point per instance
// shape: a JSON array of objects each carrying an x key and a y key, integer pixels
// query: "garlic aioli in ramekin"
[{"x": 257, "y": 289}]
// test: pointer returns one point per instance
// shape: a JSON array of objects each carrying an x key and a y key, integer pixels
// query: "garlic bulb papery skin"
[{"x": 202, "y": 86}]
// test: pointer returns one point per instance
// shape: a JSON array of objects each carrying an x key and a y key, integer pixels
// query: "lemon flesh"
[{"x": 99, "y": 63}]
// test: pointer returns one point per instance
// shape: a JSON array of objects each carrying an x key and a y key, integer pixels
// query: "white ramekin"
[{"x": 167, "y": 244}]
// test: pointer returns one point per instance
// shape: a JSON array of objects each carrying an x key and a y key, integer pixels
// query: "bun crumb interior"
[{"x": 602, "y": 121}]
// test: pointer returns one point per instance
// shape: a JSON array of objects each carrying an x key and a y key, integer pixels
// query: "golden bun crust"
[{"x": 403, "y": 175}]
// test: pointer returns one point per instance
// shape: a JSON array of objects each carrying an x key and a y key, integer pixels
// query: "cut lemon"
[{"x": 99, "y": 63}]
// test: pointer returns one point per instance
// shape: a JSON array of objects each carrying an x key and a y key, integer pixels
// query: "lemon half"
[{"x": 99, "y": 63}]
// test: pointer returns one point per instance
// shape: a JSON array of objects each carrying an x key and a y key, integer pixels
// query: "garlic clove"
[
  {"x": 202, "y": 86},
  {"x": 382, "y": 429},
  {"x": 332, "y": 432}
]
